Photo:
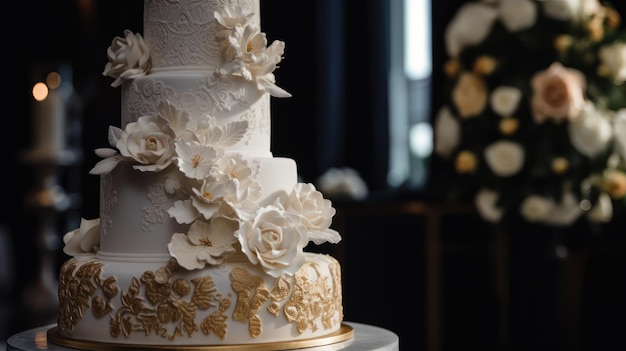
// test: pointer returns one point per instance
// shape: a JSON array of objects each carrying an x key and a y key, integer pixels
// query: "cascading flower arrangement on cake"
[
  {"x": 223, "y": 208},
  {"x": 533, "y": 123}
]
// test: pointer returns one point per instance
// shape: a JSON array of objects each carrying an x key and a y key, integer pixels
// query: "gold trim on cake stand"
[{"x": 344, "y": 333}]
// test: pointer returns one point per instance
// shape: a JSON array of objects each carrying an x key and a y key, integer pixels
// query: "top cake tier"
[{"x": 182, "y": 32}]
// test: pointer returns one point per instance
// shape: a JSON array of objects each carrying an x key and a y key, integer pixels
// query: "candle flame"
[{"x": 40, "y": 91}]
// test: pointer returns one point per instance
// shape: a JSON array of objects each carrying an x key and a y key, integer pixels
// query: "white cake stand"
[{"x": 366, "y": 338}]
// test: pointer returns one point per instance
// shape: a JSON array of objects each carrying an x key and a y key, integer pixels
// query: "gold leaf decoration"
[
  {"x": 76, "y": 293},
  {"x": 164, "y": 304},
  {"x": 203, "y": 292}
]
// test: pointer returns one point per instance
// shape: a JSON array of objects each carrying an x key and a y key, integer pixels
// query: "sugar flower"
[
  {"x": 85, "y": 239},
  {"x": 246, "y": 54},
  {"x": 315, "y": 211},
  {"x": 195, "y": 160},
  {"x": 129, "y": 58},
  {"x": 205, "y": 243},
  {"x": 274, "y": 239}
]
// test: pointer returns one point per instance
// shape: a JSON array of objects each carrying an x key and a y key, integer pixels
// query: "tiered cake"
[{"x": 201, "y": 235}]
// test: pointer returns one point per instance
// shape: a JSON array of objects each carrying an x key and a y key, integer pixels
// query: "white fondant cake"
[{"x": 201, "y": 235}]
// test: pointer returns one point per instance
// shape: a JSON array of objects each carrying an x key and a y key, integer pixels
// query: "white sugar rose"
[
  {"x": 275, "y": 240},
  {"x": 315, "y": 211},
  {"x": 469, "y": 26},
  {"x": 149, "y": 141},
  {"x": 504, "y": 158},
  {"x": 517, "y": 15},
  {"x": 591, "y": 132},
  {"x": 447, "y": 132},
  {"x": 613, "y": 59},
  {"x": 504, "y": 100},
  {"x": 85, "y": 239},
  {"x": 129, "y": 58},
  {"x": 486, "y": 204},
  {"x": 557, "y": 93}
]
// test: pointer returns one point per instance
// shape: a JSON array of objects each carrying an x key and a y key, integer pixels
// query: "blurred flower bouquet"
[{"x": 534, "y": 116}]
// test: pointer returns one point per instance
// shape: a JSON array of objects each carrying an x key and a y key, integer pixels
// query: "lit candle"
[{"x": 49, "y": 117}]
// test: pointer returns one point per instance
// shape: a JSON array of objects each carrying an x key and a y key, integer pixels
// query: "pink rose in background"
[{"x": 558, "y": 93}]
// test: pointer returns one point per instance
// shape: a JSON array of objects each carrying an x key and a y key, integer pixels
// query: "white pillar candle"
[{"x": 49, "y": 122}]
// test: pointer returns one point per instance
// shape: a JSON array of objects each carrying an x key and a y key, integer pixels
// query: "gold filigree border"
[{"x": 344, "y": 333}]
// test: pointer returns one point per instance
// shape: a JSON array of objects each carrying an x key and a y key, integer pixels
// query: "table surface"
[{"x": 366, "y": 338}]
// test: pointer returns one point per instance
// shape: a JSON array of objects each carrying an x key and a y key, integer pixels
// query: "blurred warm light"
[
  {"x": 53, "y": 80},
  {"x": 40, "y": 91},
  {"x": 41, "y": 340}
]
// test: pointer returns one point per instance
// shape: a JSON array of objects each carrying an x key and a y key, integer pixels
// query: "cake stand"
[{"x": 366, "y": 338}]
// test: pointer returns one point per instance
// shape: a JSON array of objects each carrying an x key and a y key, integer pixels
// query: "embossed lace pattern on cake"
[{"x": 182, "y": 33}]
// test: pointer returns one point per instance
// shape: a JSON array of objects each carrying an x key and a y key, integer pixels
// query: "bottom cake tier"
[{"x": 152, "y": 302}]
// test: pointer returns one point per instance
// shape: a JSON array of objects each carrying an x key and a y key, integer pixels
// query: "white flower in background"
[
  {"x": 613, "y": 59},
  {"x": 129, "y": 58},
  {"x": 591, "y": 132},
  {"x": 504, "y": 158},
  {"x": 447, "y": 132},
  {"x": 602, "y": 210},
  {"x": 486, "y": 205},
  {"x": 535, "y": 208},
  {"x": 85, "y": 239},
  {"x": 205, "y": 243},
  {"x": 504, "y": 100},
  {"x": 344, "y": 183},
  {"x": 619, "y": 132},
  {"x": 560, "y": 9},
  {"x": 469, "y": 26},
  {"x": 517, "y": 15},
  {"x": 544, "y": 210},
  {"x": 566, "y": 211},
  {"x": 195, "y": 160},
  {"x": 314, "y": 210},
  {"x": 275, "y": 240},
  {"x": 149, "y": 141},
  {"x": 575, "y": 10}
]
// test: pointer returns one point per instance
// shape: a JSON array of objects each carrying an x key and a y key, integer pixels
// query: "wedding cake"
[{"x": 201, "y": 237}]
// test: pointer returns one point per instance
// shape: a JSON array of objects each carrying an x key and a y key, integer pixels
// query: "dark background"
[{"x": 335, "y": 66}]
